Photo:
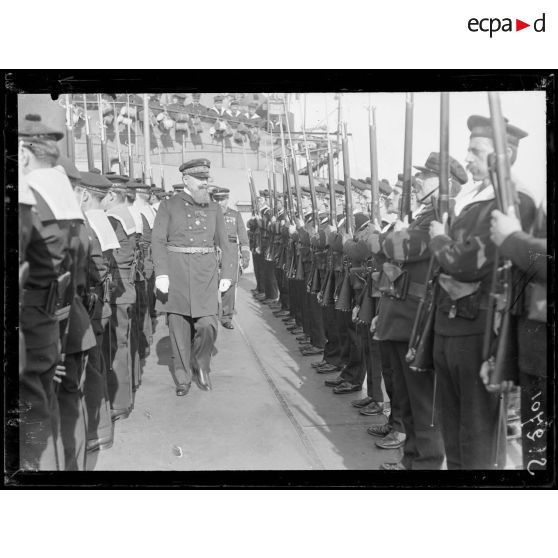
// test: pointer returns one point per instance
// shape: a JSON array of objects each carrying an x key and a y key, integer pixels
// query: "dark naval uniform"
[
  {"x": 119, "y": 336},
  {"x": 47, "y": 295},
  {"x": 469, "y": 413},
  {"x": 238, "y": 239},
  {"x": 184, "y": 241},
  {"x": 408, "y": 262},
  {"x": 529, "y": 253}
]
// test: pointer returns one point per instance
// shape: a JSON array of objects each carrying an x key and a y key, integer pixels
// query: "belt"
[
  {"x": 192, "y": 249},
  {"x": 233, "y": 240}
]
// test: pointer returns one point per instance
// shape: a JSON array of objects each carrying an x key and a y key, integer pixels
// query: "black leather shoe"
[
  {"x": 228, "y": 325},
  {"x": 372, "y": 409},
  {"x": 303, "y": 338},
  {"x": 318, "y": 364},
  {"x": 116, "y": 414},
  {"x": 335, "y": 382},
  {"x": 203, "y": 381},
  {"x": 346, "y": 387},
  {"x": 289, "y": 318},
  {"x": 296, "y": 330},
  {"x": 327, "y": 369},
  {"x": 312, "y": 351},
  {"x": 182, "y": 389},
  {"x": 281, "y": 314}
]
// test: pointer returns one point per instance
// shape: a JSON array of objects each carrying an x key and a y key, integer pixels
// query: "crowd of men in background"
[
  {"x": 178, "y": 118},
  {"x": 353, "y": 298},
  {"x": 87, "y": 304}
]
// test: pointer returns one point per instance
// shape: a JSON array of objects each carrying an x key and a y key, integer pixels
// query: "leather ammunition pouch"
[
  {"x": 393, "y": 281},
  {"x": 51, "y": 299},
  {"x": 537, "y": 302},
  {"x": 464, "y": 300}
]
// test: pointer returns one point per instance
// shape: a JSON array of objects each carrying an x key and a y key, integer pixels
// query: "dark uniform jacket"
[
  {"x": 121, "y": 260},
  {"x": 529, "y": 253},
  {"x": 408, "y": 250},
  {"x": 467, "y": 255},
  {"x": 237, "y": 235},
  {"x": 181, "y": 222},
  {"x": 81, "y": 336}
]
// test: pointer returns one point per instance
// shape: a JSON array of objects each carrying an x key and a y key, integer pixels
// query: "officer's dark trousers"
[
  {"x": 227, "y": 303},
  {"x": 372, "y": 363},
  {"x": 142, "y": 329},
  {"x": 395, "y": 420},
  {"x": 73, "y": 413},
  {"x": 351, "y": 353},
  {"x": 117, "y": 346},
  {"x": 40, "y": 446},
  {"x": 270, "y": 285},
  {"x": 332, "y": 347},
  {"x": 424, "y": 448},
  {"x": 258, "y": 272},
  {"x": 192, "y": 342},
  {"x": 317, "y": 333},
  {"x": 151, "y": 295},
  {"x": 283, "y": 286},
  {"x": 295, "y": 307},
  {"x": 469, "y": 414},
  {"x": 99, "y": 424}
]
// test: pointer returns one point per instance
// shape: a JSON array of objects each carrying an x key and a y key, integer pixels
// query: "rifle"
[
  {"x": 298, "y": 192},
  {"x": 310, "y": 168},
  {"x": 161, "y": 169},
  {"x": 117, "y": 138},
  {"x": 419, "y": 354},
  {"x": 104, "y": 155},
  {"x": 501, "y": 279},
  {"x": 374, "y": 189},
  {"x": 88, "y": 141},
  {"x": 70, "y": 143},
  {"x": 130, "y": 159},
  {"x": 331, "y": 178},
  {"x": 349, "y": 217},
  {"x": 407, "y": 159},
  {"x": 253, "y": 196}
]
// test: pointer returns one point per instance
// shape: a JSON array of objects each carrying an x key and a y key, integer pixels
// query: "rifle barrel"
[
  {"x": 375, "y": 189},
  {"x": 407, "y": 158},
  {"x": 349, "y": 226},
  {"x": 444, "y": 154}
]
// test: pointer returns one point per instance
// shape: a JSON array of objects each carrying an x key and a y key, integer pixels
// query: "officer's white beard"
[{"x": 200, "y": 194}]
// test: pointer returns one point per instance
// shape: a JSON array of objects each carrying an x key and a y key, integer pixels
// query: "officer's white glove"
[
  {"x": 162, "y": 283},
  {"x": 224, "y": 285}
]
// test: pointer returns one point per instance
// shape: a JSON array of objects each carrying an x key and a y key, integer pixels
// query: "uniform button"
[
  {"x": 189, "y": 227},
  {"x": 205, "y": 228},
  {"x": 191, "y": 240}
]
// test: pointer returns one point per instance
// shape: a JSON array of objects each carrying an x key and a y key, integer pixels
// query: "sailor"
[
  {"x": 465, "y": 252},
  {"x": 90, "y": 191},
  {"x": 120, "y": 335},
  {"x": 196, "y": 111},
  {"x": 251, "y": 117},
  {"x": 236, "y": 232},
  {"x": 48, "y": 290},
  {"x": 187, "y": 230},
  {"x": 79, "y": 340},
  {"x": 528, "y": 251},
  {"x": 140, "y": 339},
  {"x": 216, "y": 111},
  {"x": 143, "y": 196},
  {"x": 234, "y": 114},
  {"x": 402, "y": 284}
]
